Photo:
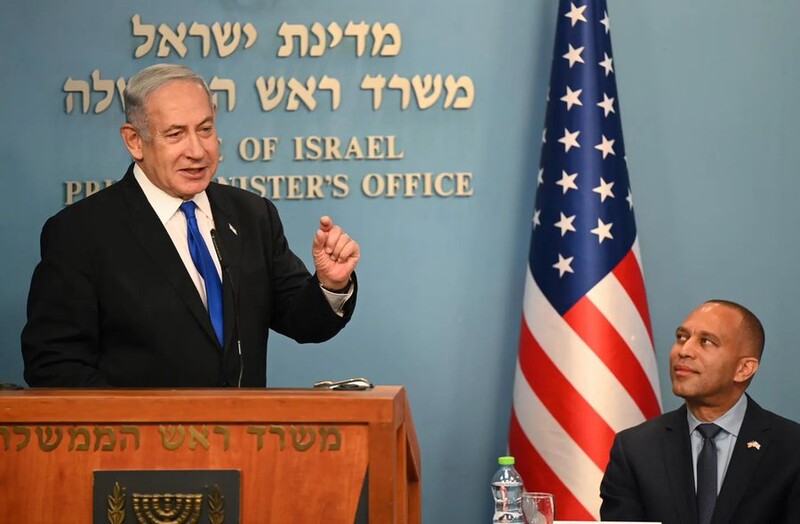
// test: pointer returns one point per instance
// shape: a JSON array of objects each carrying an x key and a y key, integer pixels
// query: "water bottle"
[{"x": 507, "y": 491}]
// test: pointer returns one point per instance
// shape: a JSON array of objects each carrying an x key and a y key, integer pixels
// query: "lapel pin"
[
  {"x": 233, "y": 229},
  {"x": 754, "y": 444}
]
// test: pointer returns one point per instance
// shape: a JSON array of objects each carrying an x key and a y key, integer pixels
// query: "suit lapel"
[
  {"x": 227, "y": 229},
  {"x": 154, "y": 239},
  {"x": 678, "y": 464},
  {"x": 755, "y": 427}
]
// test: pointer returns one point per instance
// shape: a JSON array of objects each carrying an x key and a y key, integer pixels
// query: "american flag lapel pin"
[{"x": 754, "y": 444}]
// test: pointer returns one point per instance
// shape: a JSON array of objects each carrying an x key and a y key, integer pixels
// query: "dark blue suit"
[
  {"x": 111, "y": 302},
  {"x": 650, "y": 477}
]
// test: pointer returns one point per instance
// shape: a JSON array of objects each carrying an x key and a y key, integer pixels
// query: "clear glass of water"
[{"x": 538, "y": 507}]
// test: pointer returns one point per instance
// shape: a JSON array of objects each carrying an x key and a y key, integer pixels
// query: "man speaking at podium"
[{"x": 166, "y": 280}]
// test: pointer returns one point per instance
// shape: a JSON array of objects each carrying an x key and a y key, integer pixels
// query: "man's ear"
[
  {"x": 746, "y": 369},
  {"x": 132, "y": 140}
]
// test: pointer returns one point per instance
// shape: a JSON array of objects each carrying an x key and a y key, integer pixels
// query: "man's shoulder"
[
  {"x": 781, "y": 423},
  {"x": 94, "y": 205},
  {"x": 223, "y": 190},
  {"x": 236, "y": 201},
  {"x": 780, "y": 434},
  {"x": 672, "y": 420}
]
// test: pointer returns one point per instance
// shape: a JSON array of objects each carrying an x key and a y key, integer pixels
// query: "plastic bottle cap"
[{"x": 506, "y": 461}]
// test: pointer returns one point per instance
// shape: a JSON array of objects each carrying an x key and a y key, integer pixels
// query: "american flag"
[{"x": 586, "y": 366}]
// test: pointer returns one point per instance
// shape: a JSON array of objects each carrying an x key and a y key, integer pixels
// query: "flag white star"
[
  {"x": 572, "y": 98},
  {"x": 604, "y": 190},
  {"x": 563, "y": 265},
  {"x": 607, "y": 104},
  {"x": 574, "y": 55},
  {"x": 603, "y": 231},
  {"x": 540, "y": 177},
  {"x": 607, "y": 147},
  {"x": 536, "y": 219},
  {"x": 544, "y": 135},
  {"x": 569, "y": 139},
  {"x": 576, "y": 14},
  {"x": 630, "y": 198},
  {"x": 606, "y": 22},
  {"x": 565, "y": 224},
  {"x": 607, "y": 64},
  {"x": 567, "y": 181}
]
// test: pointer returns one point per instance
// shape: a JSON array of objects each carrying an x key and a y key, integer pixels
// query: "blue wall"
[{"x": 709, "y": 106}]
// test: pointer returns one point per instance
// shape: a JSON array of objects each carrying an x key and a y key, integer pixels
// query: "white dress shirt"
[{"x": 167, "y": 208}]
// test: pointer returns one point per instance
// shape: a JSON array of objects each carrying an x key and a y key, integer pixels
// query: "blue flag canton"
[{"x": 583, "y": 222}]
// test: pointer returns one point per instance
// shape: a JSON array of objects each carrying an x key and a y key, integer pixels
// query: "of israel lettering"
[{"x": 371, "y": 147}]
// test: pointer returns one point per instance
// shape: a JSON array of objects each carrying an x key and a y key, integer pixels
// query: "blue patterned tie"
[
  {"x": 205, "y": 266},
  {"x": 707, "y": 473}
]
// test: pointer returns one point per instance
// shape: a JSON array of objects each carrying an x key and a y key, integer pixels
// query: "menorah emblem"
[{"x": 167, "y": 508}]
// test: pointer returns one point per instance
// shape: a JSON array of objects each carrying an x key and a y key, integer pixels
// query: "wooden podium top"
[{"x": 380, "y": 405}]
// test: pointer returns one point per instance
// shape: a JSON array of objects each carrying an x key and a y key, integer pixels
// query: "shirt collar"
[
  {"x": 730, "y": 421},
  {"x": 166, "y": 205}
]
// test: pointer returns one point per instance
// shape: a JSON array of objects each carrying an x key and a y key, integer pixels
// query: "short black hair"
[{"x": 750, "y": 323}]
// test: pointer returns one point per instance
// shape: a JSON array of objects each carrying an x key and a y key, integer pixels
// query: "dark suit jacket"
[
  {"x": 111, "y": 302},
  {"x": 650, "y": 477}
]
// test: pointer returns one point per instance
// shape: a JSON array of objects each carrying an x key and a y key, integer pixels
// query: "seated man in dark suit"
[
  {"x": 164, "y": 279},
  {"x": 720, "y": 458}
]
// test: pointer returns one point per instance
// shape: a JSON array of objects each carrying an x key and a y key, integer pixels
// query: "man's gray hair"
[{"x": 145, "y": 82}]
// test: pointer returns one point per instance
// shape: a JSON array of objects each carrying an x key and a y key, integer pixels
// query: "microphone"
[{"x": 226, "y": 270}]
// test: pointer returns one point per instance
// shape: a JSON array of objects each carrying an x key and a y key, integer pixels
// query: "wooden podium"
[{"x": 301, "y": 455}]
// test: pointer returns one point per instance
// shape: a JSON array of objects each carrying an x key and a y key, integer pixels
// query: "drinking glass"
[{"x": 538, "y": 508}]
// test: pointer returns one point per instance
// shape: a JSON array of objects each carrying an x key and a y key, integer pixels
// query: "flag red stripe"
[
  {"x": 598, "y": 333},
  {"x": 578, "y": 418},
  {"x": 539, "y": 477},
  {"x": 629, "y": 275}
]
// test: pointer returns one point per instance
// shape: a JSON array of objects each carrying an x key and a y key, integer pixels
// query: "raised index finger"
[{"x": 325, "y": 223}]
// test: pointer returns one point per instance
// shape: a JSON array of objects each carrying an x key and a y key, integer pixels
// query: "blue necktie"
[
  {"x": 205, "y": 266},
  {"x": 707, "y": 473}
]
